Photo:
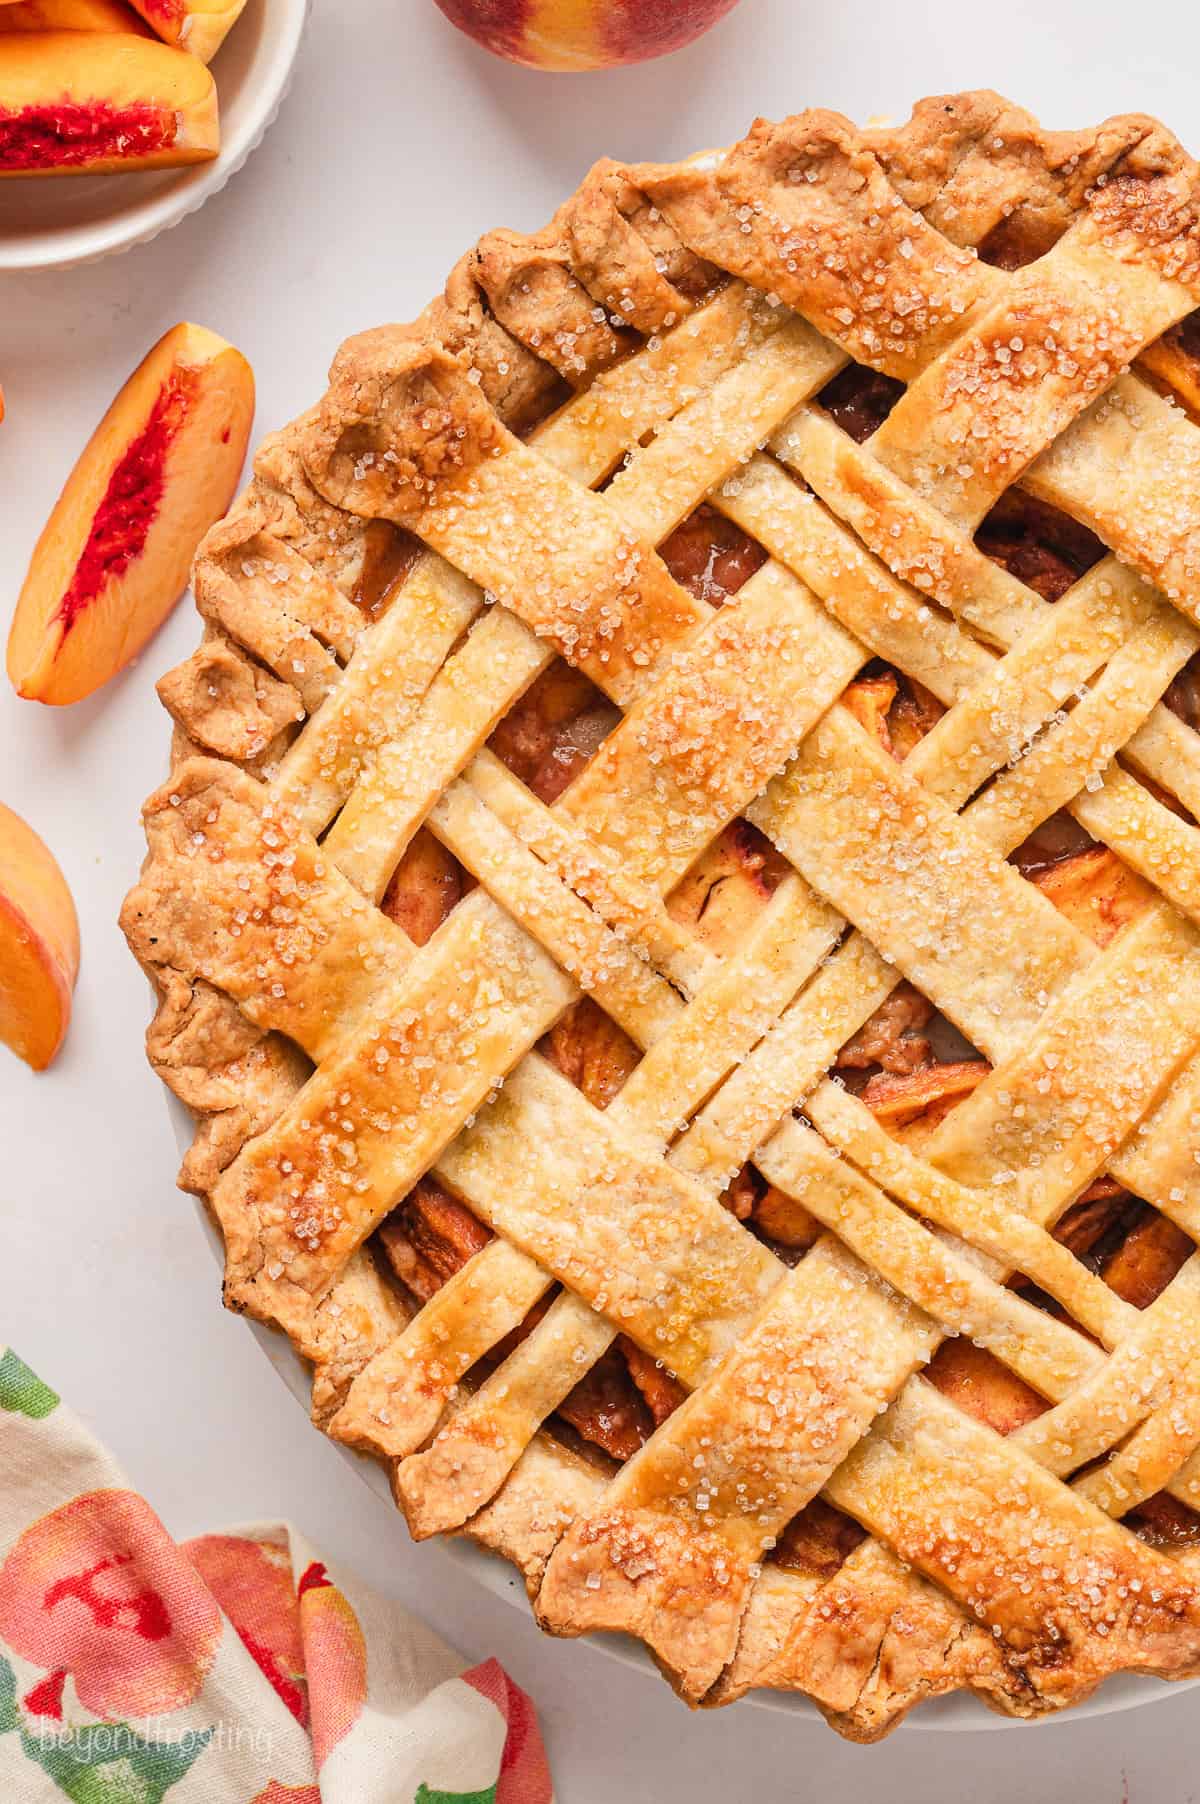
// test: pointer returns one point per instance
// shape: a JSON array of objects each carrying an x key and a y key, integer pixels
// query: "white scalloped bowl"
[
  {"x": 959, "y": 1711},
  {"x": 52, "y": 223}
]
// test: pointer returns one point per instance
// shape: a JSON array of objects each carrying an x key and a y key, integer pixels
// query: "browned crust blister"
[{"x": 285, "y": 996}]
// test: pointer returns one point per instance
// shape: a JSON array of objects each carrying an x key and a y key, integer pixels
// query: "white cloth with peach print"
[{"x": 236, "y": 1668}]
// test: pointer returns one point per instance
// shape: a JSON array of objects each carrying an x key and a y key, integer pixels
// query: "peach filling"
[
  {"x": 1042, "y": 547},
  {"x": 860, "y": 399},
  {"x": 710, "y": 556},
  {"x": 131, "y": 501},
  {"x": 73, "y": 132},
  {"x": 389, "y": 553}
]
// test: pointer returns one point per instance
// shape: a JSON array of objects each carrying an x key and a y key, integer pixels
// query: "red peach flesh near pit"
[
  {"x": 131, "y": 501},
  {"x": 45, "y": 137}
]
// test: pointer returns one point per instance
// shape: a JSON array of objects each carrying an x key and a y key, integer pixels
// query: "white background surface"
[{"x": 399, "y": 144}]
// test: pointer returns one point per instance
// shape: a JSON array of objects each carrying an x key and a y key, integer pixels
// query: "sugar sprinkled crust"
[{"x": 498, "y": 486}]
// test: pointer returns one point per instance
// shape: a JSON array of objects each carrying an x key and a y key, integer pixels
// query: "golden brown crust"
[
  {"x": 227, "y": 704},
  {"x": 400, "y": 415},
  {"x": 804, "y": 211},
  {"x": 534, "y": 293},
  {"x": 518, "y": 385},
  {"x": 267, "y": 952}
]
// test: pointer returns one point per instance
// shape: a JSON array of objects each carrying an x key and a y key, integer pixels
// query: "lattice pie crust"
[{"x": 714, "y": 1090}]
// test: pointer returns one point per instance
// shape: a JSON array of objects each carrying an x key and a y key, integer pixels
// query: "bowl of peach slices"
[{"x": 147, "y": 106}]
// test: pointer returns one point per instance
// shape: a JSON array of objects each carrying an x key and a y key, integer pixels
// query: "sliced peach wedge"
[
  {"x": 114, "y": 556},
  {"x": 71, "y": 15},
  {"x": 39, "y": 944},
  {"x": 86, "y": 103},
  {"x": 198, "y": 26}
]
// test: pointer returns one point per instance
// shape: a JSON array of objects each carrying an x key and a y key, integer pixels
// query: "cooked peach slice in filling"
[
  {"x": 71, "y": 15},
  {"x": 76, "y": 102},
  {"x": 198, "y": 26},
  {"x": 722, "y": 893},
  {"x": 113, "y": 559},
  {"x": 39, "y": 944},
  {"x": 1097, "y": 892}
]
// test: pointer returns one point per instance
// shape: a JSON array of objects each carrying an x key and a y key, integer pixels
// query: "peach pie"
[{"x": 676, "y": 908}]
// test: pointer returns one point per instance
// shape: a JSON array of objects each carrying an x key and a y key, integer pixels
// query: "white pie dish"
[
  {"x": 958, "y": 1711},
  {"x": 54, "y": 223}
]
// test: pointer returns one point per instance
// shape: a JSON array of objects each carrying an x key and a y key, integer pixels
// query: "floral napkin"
[{"x": 236, "y": 1668}]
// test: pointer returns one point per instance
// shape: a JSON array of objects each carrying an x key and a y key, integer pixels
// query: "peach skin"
[
  {"x": 82, "y": 103},
  {"x": 114, "y": 556},
  {"x": 71, "y": 15},
  {"x": 39, "y": 944},
  {"x": 198, "y": 26},
  {"x": 583, "y": 34}
]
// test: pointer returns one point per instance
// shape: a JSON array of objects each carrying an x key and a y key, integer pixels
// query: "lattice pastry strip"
[
  {"x": 923, "y": 1447},
  {"x": 258, "y": 1288},
  {"x": 726, "y": 1017},
  {"x": 631, "y": 907},
  {"x": 1148, "y": 515},
  {"x": 987, "y": 1221},
  {"x": 1129, "y": 1387},
  {"x": 1062, "y": 331},
  {"x": 871, "y": 1585},
  {"x": 872, "y": 1563},
  {"x": 394, "y": 666},
  {"x": 776, "y": 648},
  {"x": 584, "y": 441}
]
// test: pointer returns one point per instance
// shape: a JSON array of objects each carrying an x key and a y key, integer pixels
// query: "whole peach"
[{"x": 583, "y": 34}]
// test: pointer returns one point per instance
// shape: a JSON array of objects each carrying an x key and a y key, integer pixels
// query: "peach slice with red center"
[
  {"x": 114, "y": 556},
  {"x": 583, "y": 34},
  {"x": 71, "y": 15},
  {"x": 87, "y": 103},
  {"x": 198, "y": 26},
  {"x": 39, "y": 944}
]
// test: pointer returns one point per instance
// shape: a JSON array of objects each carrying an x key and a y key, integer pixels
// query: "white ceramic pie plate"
[
  {"x": 957, "y": 1712},
  {"x": 52, "y": 223}
]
